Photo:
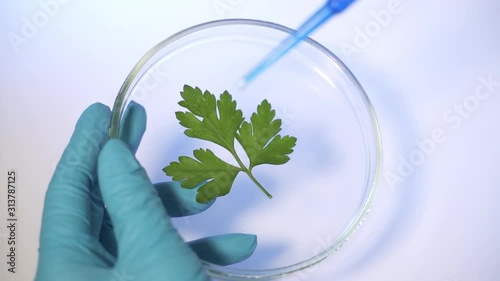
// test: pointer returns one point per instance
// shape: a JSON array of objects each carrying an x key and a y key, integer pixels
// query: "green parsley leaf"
[
  {"x": 218, "y": 129},
  {"x": 220, "y": 122},
  {"x": 260, "y": 138},
  {"x": 219, "y": 174}
]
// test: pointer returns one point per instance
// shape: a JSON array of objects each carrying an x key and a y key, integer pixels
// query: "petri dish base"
[{"x": 320, "y": 197}]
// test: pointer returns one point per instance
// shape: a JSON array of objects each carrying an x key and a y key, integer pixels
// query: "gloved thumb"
[{"x": 147, "y": 242}]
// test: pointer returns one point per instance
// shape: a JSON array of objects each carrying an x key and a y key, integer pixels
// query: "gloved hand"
[{"x": 131, "y": 238}]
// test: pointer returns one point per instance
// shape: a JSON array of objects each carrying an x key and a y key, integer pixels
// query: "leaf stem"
[{"x": 249, "y": 173}]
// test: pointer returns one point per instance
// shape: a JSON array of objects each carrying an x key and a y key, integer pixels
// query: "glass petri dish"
[{"x": 321, "y": 196}]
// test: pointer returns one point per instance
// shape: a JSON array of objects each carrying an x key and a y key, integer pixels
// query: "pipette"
[{"x": 331, "y": 8}]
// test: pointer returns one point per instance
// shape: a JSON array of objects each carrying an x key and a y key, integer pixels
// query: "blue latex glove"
[{"x": 131, "y": 238}]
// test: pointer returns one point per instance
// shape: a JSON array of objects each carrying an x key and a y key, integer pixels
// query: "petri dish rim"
[{"x": 375, "y": 155}]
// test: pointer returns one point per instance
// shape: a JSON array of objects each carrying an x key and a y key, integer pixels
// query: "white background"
[{"x": 437, "y": 222}]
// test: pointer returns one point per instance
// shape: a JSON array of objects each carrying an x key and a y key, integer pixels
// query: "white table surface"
[{"x": 437, "y": 222}]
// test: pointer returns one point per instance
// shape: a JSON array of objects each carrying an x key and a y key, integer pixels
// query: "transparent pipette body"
[{"x": 331, "y": 8}]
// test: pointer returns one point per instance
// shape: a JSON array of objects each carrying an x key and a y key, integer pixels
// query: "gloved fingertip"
[
  {"x": 116, "y": 164},
  {"x": 115, "y": 151},
  {"x": 133, "y": 126},
  {"x": 92, "y": 126},
  {"x": 225, "y": 249},
  {"x": 178, "y": 201},
  {"x": 98, "y": 106},
  {"x": 96, "y": 112}
]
